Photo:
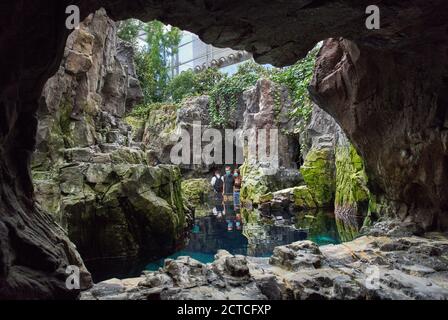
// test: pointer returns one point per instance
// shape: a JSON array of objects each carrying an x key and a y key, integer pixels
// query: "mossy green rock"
[
  {"x": 303, "y": 198},
  {"x": 255, "y": 184},
  {"x": 266, "y": 197},
  {"x": 196, "y": 191},
  {"x": 352, "y": 195},
  {"x": 351, "y": 179},
  {"x": 318, "y": 171},
  {"x": 117, "y": 210},
  {"x": 137, "y": 127}
]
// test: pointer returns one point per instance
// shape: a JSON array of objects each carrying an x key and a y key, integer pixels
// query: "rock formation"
[
  {"x": 263, "y": 106},
  {"x": 267, "y": 106},
  {"x": 396, "y": 116},
  {"x": 333, "y": 177},
  {"x": 88, "y": 171},
  {"x": 197, "y": 194},
  {"x": 386, "y": 88}
]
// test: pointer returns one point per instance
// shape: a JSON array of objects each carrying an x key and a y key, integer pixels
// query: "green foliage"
[
  {"x": 207, "y": 79},
  {"x": 183, "y": 85},
  {"x": 189, "y": 83},
  {"x": 128, "y": 30},
  {"x": 152, "y": 67},
  {"x": 152, "y": 60},
  {"x": 143, "y": 111},
  {"x": 226, "y": 94},
  {"x": 162, "y": 43},
  {"x": 297, "y": 78}
]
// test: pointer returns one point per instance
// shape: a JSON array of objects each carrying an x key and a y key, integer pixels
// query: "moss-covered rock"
[
  {"x": 266, "y": 197},
  {"x": 352, "y": 195},
  {"x": 303, "y": 198},
  {"x": 351, "y": 179},
  {"x": 137, "y": 127},
  {"x": 159, "y": 128},
  {"x": 318, "y": 172},
  {"x": 257, "y": 186},
  {"x": 117, "y": 210},
  {"x": 196, "y": 191},
  {"x": 255, "y": 183}
]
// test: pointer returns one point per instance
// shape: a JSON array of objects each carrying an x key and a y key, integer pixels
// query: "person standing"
[
  {"x": 228, "y": 185},
  {"x": 228, "y": 188},
  {"x": 237, "y": 181},
  {"x": 217, "y": 183}
]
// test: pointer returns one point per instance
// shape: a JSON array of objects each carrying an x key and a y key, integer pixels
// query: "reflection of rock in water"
[
  {"x": 257, "y": 238},
  {"x": 321, "y": 226},
  {"x": 212, "y": 235},
  {"x": 262, "y": 239}
]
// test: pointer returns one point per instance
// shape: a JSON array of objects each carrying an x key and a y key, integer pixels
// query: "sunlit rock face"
[{"x": 411, "y": 44}]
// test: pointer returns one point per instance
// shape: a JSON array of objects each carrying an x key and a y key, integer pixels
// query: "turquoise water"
[{"x": 210, "y": 233}]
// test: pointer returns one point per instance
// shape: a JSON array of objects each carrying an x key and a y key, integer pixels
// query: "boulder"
[{"x": 257, "y": 182}]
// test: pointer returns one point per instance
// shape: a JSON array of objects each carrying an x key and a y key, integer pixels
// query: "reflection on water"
[
  {"x": 248, "y": 233},
  {"x": 321, "y": 226},
  {"x": 211, "y": 233}
]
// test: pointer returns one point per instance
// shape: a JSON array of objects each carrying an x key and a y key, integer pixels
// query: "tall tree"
[
  {"x": 153, "y": 58},
  {"x": 163, "y": 42}
]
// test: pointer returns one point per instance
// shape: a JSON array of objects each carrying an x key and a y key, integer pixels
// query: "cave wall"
[
  {"x": 34, "y": 252},
  {"x": 393, "y": 106}
]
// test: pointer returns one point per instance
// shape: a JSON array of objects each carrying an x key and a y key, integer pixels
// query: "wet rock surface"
[
  {"x": 332, "y": 176},
  {"x": 368, "y": 267}
]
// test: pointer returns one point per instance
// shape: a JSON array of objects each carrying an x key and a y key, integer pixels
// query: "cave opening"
[{"x": 344, "y": 145}]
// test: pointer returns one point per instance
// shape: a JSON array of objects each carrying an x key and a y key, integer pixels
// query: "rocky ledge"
[{"x": 376, "y": 266}]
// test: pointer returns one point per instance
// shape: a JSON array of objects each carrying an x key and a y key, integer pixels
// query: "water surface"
[{"x": 211, "y": 233}]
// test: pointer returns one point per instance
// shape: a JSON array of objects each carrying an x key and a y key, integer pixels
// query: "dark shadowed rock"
[{"x": 396, "y": 120}]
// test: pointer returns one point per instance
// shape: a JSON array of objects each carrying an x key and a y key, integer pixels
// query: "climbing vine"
[
  {"x": 189, "y": 83},
  {"x": 225, "y": 92},
  {"x": 297, "y": 79},
  {"x": 224, "y": 97}
]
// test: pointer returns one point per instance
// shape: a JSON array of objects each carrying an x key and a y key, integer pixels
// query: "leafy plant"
[
  {"x": 226, "y": 94},
  {"x": 128, "y": 30},
  {"x": 189, "y": 83},
  {"x": 162, "y": 44},
  {"x": 152, "y": 60},
  {"x": 207, "y": 79},
  {"x": 183, "y": 85},
  {"x": 297, "y": 78}
]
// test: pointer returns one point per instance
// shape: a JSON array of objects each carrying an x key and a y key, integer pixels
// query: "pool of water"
[{"x": 212, "y": 233}]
